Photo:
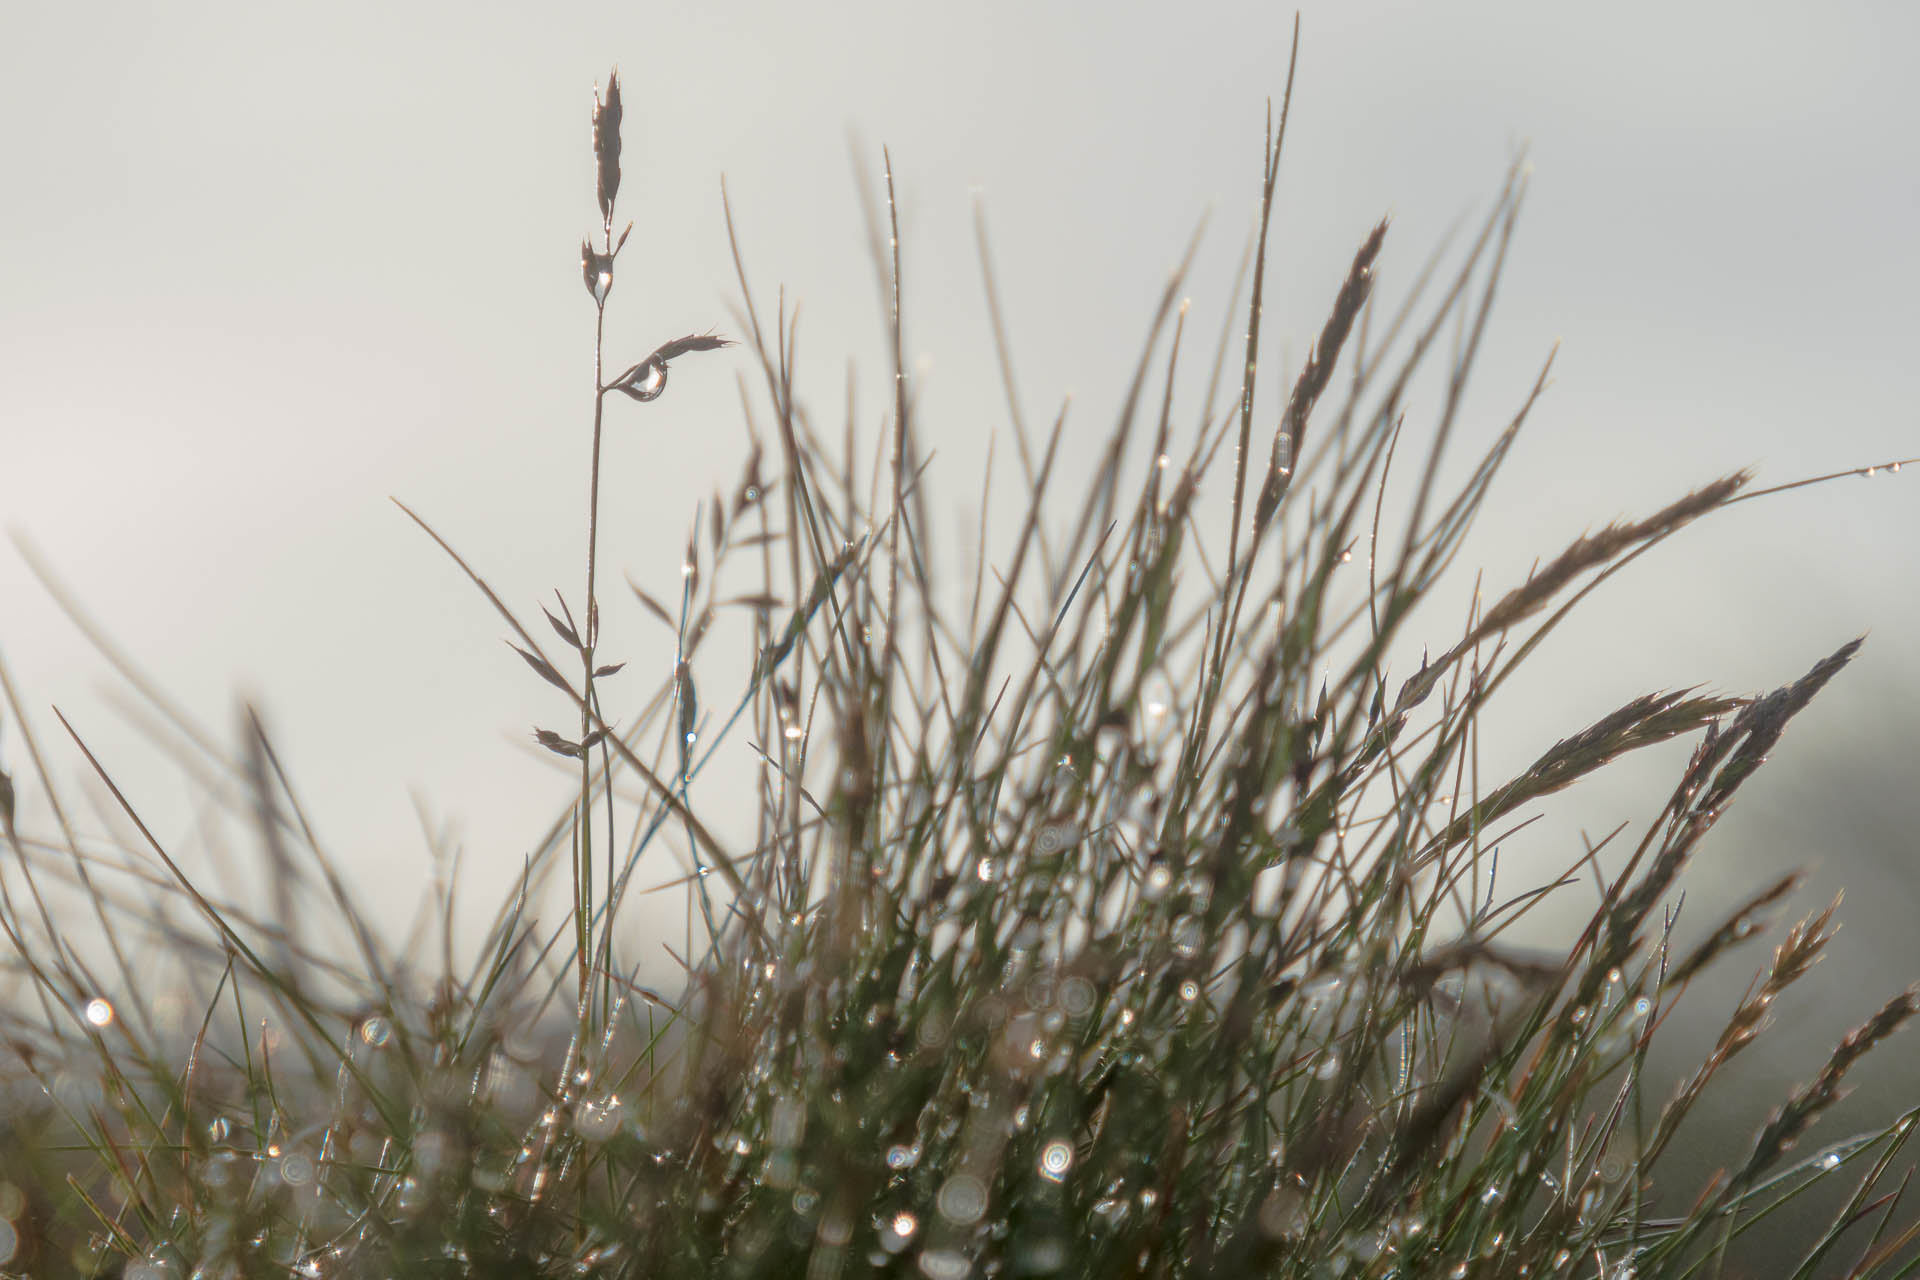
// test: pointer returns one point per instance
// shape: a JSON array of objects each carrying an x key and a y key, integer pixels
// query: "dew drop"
[
  {"x": 1055, "y": 1159},
  {"x": 945, "y": 1264},
  {"x": 1188, "y": 934},
  {"x": 598, "y": 1119},
  {"x": 1056, "y": 836},
  {"x": 376, "y": 1031},
  {"x": 1159, "y": 879},
  {"x": 962, "y": 1200},
  {"x": 786, "y": 1122},
  {"x": 899, "y": 1231},
  {"x": 1040, "y": 1257},
  {"x": 99, "y": 1012},
  {"x": 1282, "y": 1214},
  {"x": 1319, "y": 989}
]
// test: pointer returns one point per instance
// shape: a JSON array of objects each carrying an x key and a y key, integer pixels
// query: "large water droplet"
[{"x": 598, "y": 1119}]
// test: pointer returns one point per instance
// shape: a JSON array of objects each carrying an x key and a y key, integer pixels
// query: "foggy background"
[{"x": 263, "y": 266}]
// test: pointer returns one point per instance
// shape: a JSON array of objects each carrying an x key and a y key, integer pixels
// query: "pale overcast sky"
[{"x": 263, "y": 266}]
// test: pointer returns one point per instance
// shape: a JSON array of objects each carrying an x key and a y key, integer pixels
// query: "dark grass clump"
[{"x": 1113, "y": 909}]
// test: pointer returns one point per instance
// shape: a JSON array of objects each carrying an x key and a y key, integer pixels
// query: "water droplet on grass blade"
[
  {"x": 1158, "y": 880},
  {"x": 945, "y": 1264},
  {"x": 962, "y": 1199},
  {"x": 643, "y": 382},
  {"x": 1283, "y": 1214},
  {"x": 786, "y": 1122},
  {"x": 898, "y": 1231},
  {"x": 598, "y": 1119}
]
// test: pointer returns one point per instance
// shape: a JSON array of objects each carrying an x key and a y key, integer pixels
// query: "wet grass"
[{"x": 1112, "y": 907}]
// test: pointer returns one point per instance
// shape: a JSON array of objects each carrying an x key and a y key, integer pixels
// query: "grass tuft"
[{"x": 1126, "y": 903}]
